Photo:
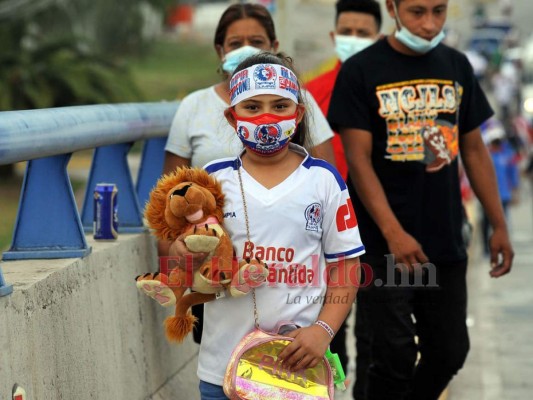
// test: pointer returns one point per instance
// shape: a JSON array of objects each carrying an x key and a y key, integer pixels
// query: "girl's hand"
[
  {"x": 183, "y": 257},
  {"x": 307, "y": 349}
]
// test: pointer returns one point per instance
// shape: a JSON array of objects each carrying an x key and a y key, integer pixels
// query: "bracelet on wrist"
[{"x": 326, "y": 327}]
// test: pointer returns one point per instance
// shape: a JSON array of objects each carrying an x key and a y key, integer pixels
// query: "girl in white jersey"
[
  {"x": 298, "y": 217},
  {"x": 199, "y": 131}
]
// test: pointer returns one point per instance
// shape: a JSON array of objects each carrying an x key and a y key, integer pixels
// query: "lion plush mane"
[{"x": 170, "y": 227}]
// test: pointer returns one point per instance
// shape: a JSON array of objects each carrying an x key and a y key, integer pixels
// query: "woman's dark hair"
[
  {"x": 301, "y": 136},
  {"x": 237, "y": 12}
]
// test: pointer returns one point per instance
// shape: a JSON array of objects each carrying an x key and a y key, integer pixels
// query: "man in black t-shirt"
[{"x": 406, "y": 108}]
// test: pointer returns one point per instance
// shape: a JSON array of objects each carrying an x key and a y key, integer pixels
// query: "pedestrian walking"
[
  {"x": 357, "y": 26},
  {"x": 200, "y": 134},
  {"x": 280, "y": 198},
  {"x": 505, "y": 161},
  {"x": 405, "y": 108}
]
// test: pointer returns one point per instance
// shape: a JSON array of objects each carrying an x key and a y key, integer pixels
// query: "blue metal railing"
[{"x": 48, "y": 224}]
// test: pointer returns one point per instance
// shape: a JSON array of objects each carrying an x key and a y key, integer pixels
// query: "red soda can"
[{"x": 105, "y": 223}]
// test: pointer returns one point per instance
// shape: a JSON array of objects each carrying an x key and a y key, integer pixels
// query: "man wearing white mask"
[
  {"x": 405, "y": 109},
  {"x": 357, "y": 26}
]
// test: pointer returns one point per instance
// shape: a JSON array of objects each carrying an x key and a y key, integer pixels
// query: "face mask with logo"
[
  {"x": 414, "y": 42},
  {"x": 235, "y": 57},
  {"x": 265, "y": 134},
  {"x": 347, "y": 46}
]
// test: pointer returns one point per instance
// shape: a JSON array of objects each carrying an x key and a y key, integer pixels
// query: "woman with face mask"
[{"x": 199, "y": 131}]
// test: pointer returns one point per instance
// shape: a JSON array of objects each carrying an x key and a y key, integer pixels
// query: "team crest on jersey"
[
  {"x": 313, "y": 216},
  {"x": 243, "y": 132},
  {"x": 265, "y": 77}
]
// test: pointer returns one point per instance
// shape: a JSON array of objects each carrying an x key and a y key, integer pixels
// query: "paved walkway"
[
  {"x": 500, "y": 320},
  {"x": 500, "y": 364}
]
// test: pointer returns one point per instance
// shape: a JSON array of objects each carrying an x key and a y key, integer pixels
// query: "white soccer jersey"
[{"x": 295, "y": 227}]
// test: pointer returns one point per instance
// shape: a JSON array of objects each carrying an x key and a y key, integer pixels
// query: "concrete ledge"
[{"x": 79, "y": 329}]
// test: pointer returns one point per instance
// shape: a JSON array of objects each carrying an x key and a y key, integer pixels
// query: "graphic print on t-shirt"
[{"x": 421, "y": 117}]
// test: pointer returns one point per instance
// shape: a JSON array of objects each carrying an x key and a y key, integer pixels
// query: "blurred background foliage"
[{"x": 71, "y": 52}]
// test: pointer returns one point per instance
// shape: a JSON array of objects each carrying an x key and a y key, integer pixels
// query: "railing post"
[
  {"x": 151, "y": 168},
  {"x": 48, "y": 224},
  {"x": 110, "y": 165}
]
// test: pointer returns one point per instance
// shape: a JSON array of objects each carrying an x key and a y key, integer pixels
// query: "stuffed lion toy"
[{"x": 188, "y": 205}]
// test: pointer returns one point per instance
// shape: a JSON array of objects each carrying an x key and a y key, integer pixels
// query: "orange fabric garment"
[{"x": 321, "y": 88}]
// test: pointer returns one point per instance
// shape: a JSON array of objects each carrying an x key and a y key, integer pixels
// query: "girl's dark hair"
[
  {"x": 237, "y": 12},
  {"x": 301, "y": 136}
]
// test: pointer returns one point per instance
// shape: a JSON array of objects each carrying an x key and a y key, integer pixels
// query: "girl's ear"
[
  {"x": 300, "y": 111},
  {"x": 230, "y": 117},
  {"x": 275, "y": 46}
]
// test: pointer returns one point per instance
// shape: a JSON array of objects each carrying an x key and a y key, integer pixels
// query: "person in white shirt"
[
  {"x": 199, "y": 131},
  {"x": 288, "y": 209}
]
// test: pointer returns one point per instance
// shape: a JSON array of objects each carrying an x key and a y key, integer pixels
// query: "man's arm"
[
  {"x": 480, "y": 172},
  {"x": 358, "y": 149}
]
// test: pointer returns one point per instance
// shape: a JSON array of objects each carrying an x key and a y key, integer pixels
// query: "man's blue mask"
[{"x": 414, "y": 42}]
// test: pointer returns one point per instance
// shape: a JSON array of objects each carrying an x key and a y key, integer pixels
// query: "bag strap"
[{"x": 246, "y": 221}]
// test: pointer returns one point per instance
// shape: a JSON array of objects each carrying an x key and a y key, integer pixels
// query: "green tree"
[
  {"x": 45, "y": 62},
  {"x": 44, "y": 66},
  {"x": 113, "y": 27},
  {"x": 36, "y": 73}
]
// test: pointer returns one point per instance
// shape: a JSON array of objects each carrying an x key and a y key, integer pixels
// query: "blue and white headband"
[{"x": 263, "y": 79}]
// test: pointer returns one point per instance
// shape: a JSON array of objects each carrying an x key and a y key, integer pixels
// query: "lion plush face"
[
  {"x": 185, "y": 197},
  {"x": 190, "y": 201}
]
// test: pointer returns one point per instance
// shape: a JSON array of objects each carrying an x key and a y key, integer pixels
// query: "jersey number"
[{"x": 346, "y": 216}]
